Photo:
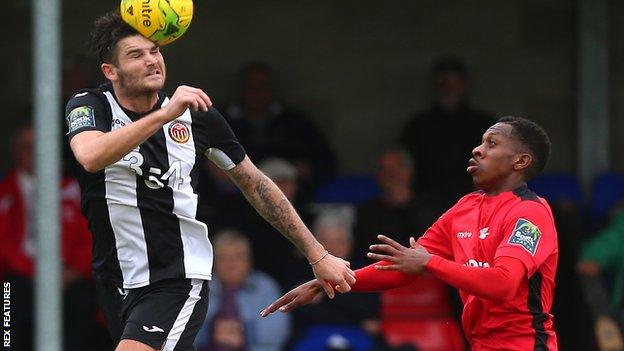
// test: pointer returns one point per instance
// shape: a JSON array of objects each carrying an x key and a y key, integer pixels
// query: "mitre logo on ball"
[{"x": 161, "y": 21}]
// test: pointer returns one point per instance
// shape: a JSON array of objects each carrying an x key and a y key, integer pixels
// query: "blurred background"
[{"x": 379, "y": 105}]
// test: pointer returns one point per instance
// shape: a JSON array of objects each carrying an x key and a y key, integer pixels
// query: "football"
[{"x": 161, "y": 21}]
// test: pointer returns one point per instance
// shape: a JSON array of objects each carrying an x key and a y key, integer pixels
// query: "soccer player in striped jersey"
[
  {"x": 498, "y": 246},
  {"x": 140, "y": 152}
]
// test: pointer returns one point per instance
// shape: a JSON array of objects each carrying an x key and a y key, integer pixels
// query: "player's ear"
[
  {"x": 109, "y": 71},
  {"x": 523, "y": 161}
]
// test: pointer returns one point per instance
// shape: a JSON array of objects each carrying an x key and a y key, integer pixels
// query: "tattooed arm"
[{"x": 271, "y": 204}]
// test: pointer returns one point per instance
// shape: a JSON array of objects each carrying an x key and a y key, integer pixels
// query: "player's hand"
[
  {"x": 334, "y": 273},
  {"x": 608, "y": 334},
  {"x": 297, "y": 297},
  {"x": 186, "y": 97},
  {"x": 411, "y": 260}
]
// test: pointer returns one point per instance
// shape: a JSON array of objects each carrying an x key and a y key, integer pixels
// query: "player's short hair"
[
  {"x": 534, "y": 138},
  {"x": 108, "y": 30}
]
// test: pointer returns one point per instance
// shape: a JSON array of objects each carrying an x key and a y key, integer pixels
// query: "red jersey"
[
  {"x": 478, "y": 230},
  {"x": 75, "y": 237}
]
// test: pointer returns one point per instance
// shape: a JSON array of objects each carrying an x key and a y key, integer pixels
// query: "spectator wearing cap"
[{"x": 442, "y": 137}]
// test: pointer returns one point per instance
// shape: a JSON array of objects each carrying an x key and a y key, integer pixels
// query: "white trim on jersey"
[
  {"x": 121, "y": 199},
  {"x": 220, "y": 158},
  {"x": 184, "y": 316},
  {"x": 196, "y": 246}
]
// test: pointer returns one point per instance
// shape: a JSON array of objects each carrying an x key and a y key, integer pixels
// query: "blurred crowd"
[{"x": 413, "y": 181}]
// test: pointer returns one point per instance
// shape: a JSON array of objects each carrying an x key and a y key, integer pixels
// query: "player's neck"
[
  {"x": 139, "y": 103},
  {"x": 508, "y": 185}
]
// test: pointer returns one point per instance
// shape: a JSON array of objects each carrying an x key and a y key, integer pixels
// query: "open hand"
[
  {"x": 411, "y": 260},
  {"x": 297, "y": 297}
]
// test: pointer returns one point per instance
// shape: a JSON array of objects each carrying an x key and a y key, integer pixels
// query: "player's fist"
[{"x": 186, "y": 97}]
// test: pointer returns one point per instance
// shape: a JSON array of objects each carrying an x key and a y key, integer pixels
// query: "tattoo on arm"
[{"x": 272, "y": 205}]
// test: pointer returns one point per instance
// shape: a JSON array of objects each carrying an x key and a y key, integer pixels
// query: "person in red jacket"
[
  {"x": 498, "y": 246},
  {"x": 18, "y": 248}
]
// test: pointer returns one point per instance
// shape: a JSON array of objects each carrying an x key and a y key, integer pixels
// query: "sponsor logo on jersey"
[
  {"x": 80, "y": 117},
  {"x": 474, "y": 263},
  {"x": 484, "y": 232},
  {"x": 464, "y": 235},
  {"x": 525, "y": 234},
  {"x": 117, "y": 122},
  {"x": 179, "y": 132}
]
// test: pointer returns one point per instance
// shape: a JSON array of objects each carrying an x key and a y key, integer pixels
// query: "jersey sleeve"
[
  {"x": 529, "y": 235},
  {"x": 86, "y": 111},
  {"x": 218, "y": 140},
  {"x": 436, "y": 238}
]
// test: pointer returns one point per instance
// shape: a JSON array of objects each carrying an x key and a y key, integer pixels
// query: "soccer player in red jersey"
[{"x": 498, "y": 246}]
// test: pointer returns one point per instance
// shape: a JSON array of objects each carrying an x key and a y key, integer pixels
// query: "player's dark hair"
[
  {"x": 534, "y": 138},
  {"x": 108, "y": 30}
]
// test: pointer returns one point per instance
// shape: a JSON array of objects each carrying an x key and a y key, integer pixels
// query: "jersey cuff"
[
  {"x": 76, "y": 132},
  {"x": 434, "y": 262}
]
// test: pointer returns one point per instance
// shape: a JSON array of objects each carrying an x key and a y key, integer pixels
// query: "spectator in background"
[
  {"x": 398, "y": 209},
  {"x": 233, "y": 211},
  {"x": 405, "y": 213},
  {"x": 18, "y": 250},
  {"x": 267, "y": 128},
  {"x": 360, "y": 310},
  {"x": 237, "y": 294},
  {"x": 440, "y": 162},
  {"x": 605, "y": 254},
  {"x": 265, "y": 239}
]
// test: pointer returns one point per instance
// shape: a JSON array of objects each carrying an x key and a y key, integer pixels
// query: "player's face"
[
  {"x": 140, "y": 67},
  {"x": 495, "y": 163},
  {"x": 232, "y": 263}
]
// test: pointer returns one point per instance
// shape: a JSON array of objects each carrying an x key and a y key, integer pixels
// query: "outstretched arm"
[
  {"x": 271, "y": 204},
  {"x": 368, "y": 278},
  {"x": 498, "y": 283}
]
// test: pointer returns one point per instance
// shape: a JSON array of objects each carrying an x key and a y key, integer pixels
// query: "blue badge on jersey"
[
  {"x": 525, "y": 234},
  {"x": 80, "y": 117}
]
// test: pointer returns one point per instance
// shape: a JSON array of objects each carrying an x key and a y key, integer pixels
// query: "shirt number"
[{"x": 155, "y": 179}]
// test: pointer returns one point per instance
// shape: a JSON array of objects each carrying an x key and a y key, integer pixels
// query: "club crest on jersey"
[
  {"x": 525, "y": 234},
  {"x": 179, "y": 132},
  {"x": 80, "y": 117}
]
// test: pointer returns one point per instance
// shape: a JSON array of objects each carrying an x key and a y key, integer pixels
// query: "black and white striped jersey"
[{"x": 142, "y": 209}]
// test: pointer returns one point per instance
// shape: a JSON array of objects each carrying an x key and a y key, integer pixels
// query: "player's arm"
[
  {"x": 367, "y": 279},
  {"x": 95, "y": 149},
  {"x": 497, "y": 283},
  {"x": 271, "y": 204}
]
